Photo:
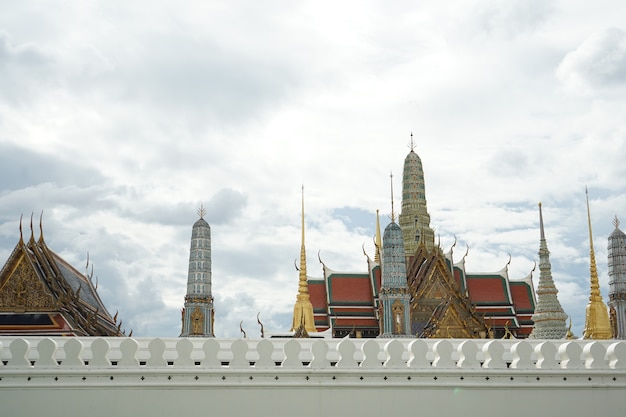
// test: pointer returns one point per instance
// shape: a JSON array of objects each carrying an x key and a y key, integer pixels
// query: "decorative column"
[
  {"x": 617, "y": 281},
  {"x": 198, "y": 314}
]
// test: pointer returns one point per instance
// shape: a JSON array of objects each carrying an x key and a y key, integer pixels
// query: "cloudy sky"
[{"x": 119, "y": 119}]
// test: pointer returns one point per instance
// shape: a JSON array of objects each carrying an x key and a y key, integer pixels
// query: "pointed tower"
[
  {"x": 617, "y": 281},
  {"x": 394, "y": 292},
  {"x": 549, "y": 318},
  {"x": 198, "y": 314},
  {"x": 303, "y": 309},
  {"x": 597, "y": 325},
  {"x": 414, "y": 218}
]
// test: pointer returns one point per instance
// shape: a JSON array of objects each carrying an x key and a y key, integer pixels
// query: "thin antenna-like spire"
[
  {"x": 393, "y": 213},
  {"x": 542, "y": 234},
  {"x": 589, "y": 220},
  {"x": 412, "y": 144},
  {"x": 378, "y": 240}
]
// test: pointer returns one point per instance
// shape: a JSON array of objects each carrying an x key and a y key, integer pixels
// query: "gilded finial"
[
  {"x": 616, "y": 222},
  {"x": 41, "y": 227},
  {"x": 201, "y": 211},
  {"x": 32, "y": 233},
  {"x": 21, "y": 235}
]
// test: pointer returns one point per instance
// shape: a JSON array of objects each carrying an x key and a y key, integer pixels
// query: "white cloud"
[{"x": 598, "y": 62}]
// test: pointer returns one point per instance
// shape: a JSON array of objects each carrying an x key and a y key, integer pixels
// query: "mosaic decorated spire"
[
  {"x": 414, "y": 218},
  {"x": 549, "y": 318},
  {"x": 303, "y": 309},
  {"x": 617, "y": 281},
  {"x": 394, "y": 292},
  {"x": 198, "y": 314},
  {"x": 597, "y": 325}
]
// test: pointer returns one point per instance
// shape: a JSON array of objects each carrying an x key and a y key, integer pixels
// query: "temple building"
[
  {"x": 42, "y": 294},
  {"x": 445, "y": 300},
  {"x": 617, "y": 281},
  {"x": 549, "y": 317},
  {"x": 198, "y": 314},
  {"x": 597, "y": 323}
]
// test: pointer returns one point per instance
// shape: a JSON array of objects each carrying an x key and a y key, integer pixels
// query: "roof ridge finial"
[
  {"x": 32, "y": 233},
  {"x": 542, "y": 234},
  {"x": 41, "y": 227},
  {"x": 21, "y": 234},
  {"x": 393, "y": 213},
  {"x": 201, "y": 211},
  {"x": 412, "y": 143},
  {"x": 616, "y": 222}
]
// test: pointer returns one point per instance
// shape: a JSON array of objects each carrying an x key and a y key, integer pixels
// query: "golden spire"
[
  {"x": 378, "y": 241},
  {"x": 303, "y": 309},
  {"x": 597, "y": 324}
]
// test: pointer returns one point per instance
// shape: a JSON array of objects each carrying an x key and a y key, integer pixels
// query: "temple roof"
[{"x": 35, "y": 280}]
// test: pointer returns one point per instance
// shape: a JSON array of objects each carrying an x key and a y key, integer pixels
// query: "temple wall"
[{"x": 308, "y": 377}]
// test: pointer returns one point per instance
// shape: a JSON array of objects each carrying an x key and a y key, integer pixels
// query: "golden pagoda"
[
  {"x": 303, "y": 309},
  {"x": 597, "y": 324}
]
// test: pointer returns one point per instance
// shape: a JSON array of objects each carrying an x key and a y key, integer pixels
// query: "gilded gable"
[{"x": 22, "y": 290}]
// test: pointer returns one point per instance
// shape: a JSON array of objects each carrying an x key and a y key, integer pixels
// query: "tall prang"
[
  {"x": 549, "y": 318},
  {"x": 394, "y": 291},
  {"x": 617, "y": 281},
  {"x": 303, "y": 318},
  {"x": 414, "y": 218},
  {"x": 198, "y": 315},
  {"x": 597, "y": 324}
]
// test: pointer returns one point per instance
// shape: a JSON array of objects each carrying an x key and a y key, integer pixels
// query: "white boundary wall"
[{"x": 309, "y": 377}]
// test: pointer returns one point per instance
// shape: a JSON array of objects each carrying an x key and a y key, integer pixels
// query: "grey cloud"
[
  {"x": 225, "y": 206},
  {"x": 599, "y": 61},
  {"x": 24, "y": 69},
  {"x": 20, "y": 168}
]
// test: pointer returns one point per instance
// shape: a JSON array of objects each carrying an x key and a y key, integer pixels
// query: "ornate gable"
[
  {"x": 438, "y": 308},
  {"x": 22, "y": 289}
]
